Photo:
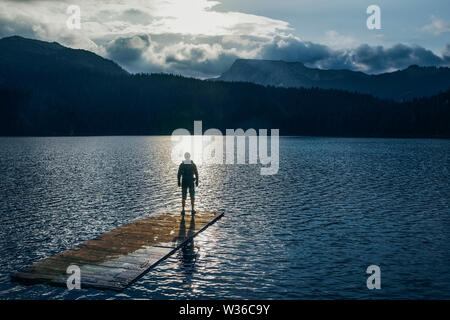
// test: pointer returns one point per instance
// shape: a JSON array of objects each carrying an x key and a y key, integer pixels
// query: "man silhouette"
[{"x": 188, "y": 171}]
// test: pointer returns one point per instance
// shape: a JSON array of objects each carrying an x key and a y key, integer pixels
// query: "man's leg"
[
  {"x": 183, "y": 197},
  {"x": 192, "y": 196}
]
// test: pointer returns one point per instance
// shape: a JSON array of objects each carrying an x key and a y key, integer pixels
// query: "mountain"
[
  {"x": 38, "y": 59},
  {"x": 47, "y": 89},
  {"x": 405, "y": 84}
]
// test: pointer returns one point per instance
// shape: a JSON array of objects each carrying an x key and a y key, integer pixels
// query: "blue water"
[{"x": 335, "y": 207}]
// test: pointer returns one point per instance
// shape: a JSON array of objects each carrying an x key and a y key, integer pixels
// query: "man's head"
[{"x": 187, "y": 156}]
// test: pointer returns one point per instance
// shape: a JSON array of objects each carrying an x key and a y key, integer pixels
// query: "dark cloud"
[
  {"x": 293, "y": 49},
  {"x": 446, "y": 54},
  {"x": 370, "y": 59},
  {"x": 197, "y": 56},
  {"x": 379, "y": 59},
  {"x": 128, "y": 50},
  {"x": 197, "y": 65}
]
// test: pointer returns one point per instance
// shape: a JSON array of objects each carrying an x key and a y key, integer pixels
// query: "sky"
[{"x": 202, "y": 38}]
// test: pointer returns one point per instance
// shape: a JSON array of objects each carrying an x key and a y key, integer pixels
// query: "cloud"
[
  {"x": 437, "y": 26},
  {"x": 42, "y": 20},
  {"x": 339, "y": 41},
  {"x": 379, "y": 59},
  {"x": 291, "y": 48},
  {"x": 446, "y": 54},
  {"x": 209, "y": 56},
  {"x": 370, "y": 59},
  {"x": 187, "y": 37},
  {"x": 128, "y": 50},
  {"x": 198, "y": 56},
  {"x": 193, "y": 39}
]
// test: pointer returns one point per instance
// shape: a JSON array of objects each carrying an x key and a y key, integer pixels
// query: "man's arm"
[
  {"x": 179, "y": 175},
  {"x": 196, "y": 175}
]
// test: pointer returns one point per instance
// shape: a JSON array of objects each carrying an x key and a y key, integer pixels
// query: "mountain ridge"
[
  {"x": 409, "y": 83},
  {"x": 44, "y": 53}
]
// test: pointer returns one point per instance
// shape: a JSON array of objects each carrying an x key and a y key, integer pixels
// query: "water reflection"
[{"x": 187, "y": 255}]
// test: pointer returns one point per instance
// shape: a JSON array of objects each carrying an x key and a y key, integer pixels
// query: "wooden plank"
[{"x": 117, "y": 258}]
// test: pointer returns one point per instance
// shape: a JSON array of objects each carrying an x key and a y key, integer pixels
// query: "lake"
[{"x": 336, "y": 206}]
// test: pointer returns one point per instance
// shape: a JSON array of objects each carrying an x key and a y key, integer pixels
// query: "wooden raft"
[{"x": 117, "y": 258}]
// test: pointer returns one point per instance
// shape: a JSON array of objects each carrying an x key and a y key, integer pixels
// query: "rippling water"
[{"x": 335, "y": 207}]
